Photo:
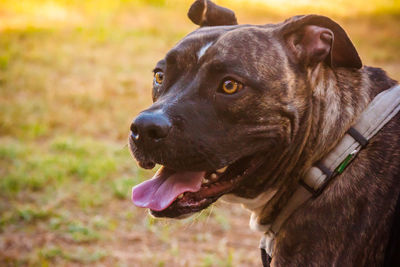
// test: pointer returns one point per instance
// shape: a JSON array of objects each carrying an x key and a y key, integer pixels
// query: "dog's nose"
[{"x": 150, "y": 126}]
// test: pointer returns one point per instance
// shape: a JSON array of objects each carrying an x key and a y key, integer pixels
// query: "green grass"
[
  {"x": 73, "y": 74},
  {"x": 33, "y": 168}
]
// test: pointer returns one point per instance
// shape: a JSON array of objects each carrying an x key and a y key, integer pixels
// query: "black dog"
[{"x": 247, "y": 111}]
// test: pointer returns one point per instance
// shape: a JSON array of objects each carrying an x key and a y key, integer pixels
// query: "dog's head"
[{"x": 229, "y": 101}]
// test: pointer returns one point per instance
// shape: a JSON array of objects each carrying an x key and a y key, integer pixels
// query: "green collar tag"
[{"x": 345, "y": 162}]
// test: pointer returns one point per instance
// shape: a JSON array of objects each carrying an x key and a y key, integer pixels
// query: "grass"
[{"x": 73, "y": 74}]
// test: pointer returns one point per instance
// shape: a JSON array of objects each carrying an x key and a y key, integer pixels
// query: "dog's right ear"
[{"x": 206, "y": 13}]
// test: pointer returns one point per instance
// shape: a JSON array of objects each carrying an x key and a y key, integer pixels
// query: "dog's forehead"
[{"x": 223, "y": 41}]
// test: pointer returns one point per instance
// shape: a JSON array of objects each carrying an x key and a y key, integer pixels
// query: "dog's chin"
[
  {"x": 178, "y": 217},
  {"x": 214, "y": 185}
]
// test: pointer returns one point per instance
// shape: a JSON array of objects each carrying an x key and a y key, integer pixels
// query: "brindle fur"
[{"x": 293, "y": 114}]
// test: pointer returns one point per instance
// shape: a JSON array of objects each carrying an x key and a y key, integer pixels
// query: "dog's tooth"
[
  {"x": 204, "y": 181},
  {"x": 222, "y": 170},
  {"x": 214, "y": 176},
  {"x": 180, "y": 196}
]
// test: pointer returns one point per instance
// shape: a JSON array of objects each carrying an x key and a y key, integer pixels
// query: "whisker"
[
  {"x": 124, "y": 146},
  {"x": 209, "y": 214}
]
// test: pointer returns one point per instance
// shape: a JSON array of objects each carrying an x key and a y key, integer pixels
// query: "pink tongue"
[{"x": 165, "y": 186}]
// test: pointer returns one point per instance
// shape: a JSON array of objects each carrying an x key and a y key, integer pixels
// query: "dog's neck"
[
  {"x": 335, "y": 102},
  {"x": 338, "y": 98}
]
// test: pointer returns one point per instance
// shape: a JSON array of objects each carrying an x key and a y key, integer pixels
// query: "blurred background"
[{"x": 73, "y": 74}]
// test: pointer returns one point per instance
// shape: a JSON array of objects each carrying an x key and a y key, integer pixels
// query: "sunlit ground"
[{"x": 73, "y": 74}]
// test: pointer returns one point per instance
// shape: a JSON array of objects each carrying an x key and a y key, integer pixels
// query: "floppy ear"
[
  {"x": 313, "y": 39},
  {"x": 206, "y": 13}
]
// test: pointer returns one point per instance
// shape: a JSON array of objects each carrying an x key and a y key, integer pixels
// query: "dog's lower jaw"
[{"x": 180, "y": 217}]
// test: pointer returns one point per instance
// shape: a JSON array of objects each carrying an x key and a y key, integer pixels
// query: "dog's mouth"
[{"x": 172, "y": 193}]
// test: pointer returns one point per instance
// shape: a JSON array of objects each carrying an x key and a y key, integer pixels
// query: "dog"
[{"x": 242, "y": 112}]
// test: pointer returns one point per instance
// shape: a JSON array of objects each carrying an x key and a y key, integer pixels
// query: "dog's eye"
[
  {"x": 231, "y": 86},
  {"x": 158, "y": 77}
]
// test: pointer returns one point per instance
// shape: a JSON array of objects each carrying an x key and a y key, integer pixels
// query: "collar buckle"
[{"x": 329, "y": 174}]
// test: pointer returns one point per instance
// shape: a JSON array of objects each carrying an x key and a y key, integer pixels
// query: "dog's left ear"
[
  {"x": 313, "y": 39},
  {"x": 206, "y": 13}
]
